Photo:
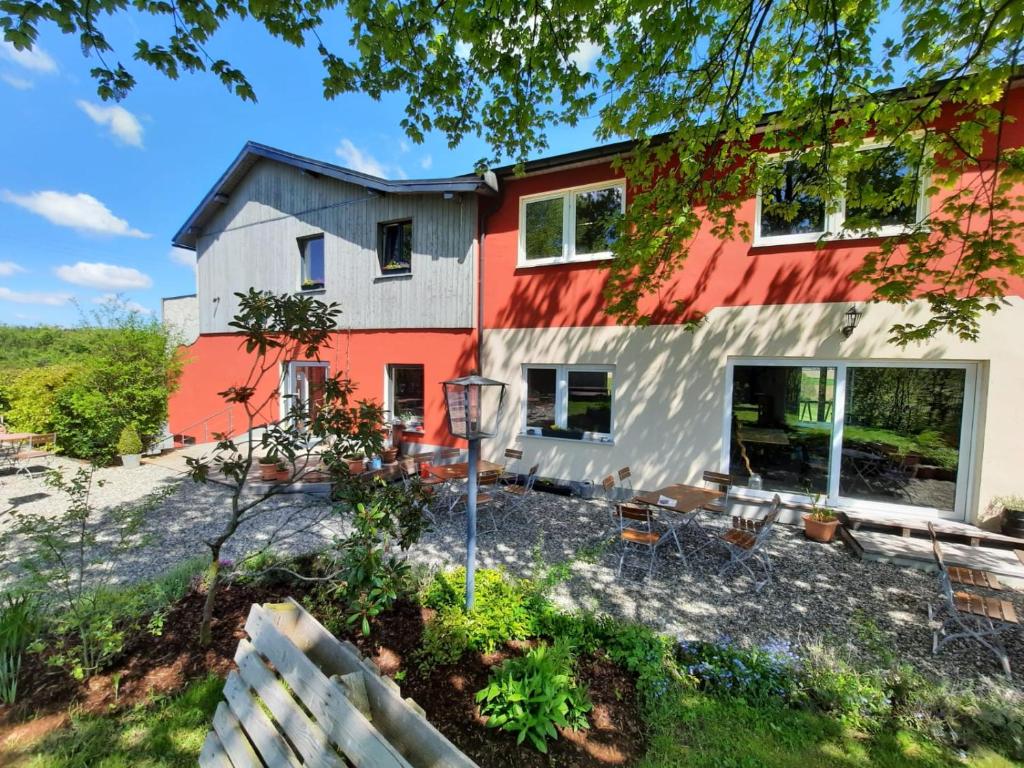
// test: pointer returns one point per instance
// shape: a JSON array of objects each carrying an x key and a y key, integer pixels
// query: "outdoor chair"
[
  {"x": 626, "y": 479},
  {"x": 638, "y": 531},
  {"x": 518, "y": 494},
  {"x": 486, "y": 498},
  {"x": 718, "y": 481},
  {"x": 970, "y": 615},
  {"x": 746, "y": 543},
  {"x": 510, "y": 472},
  {"x": 33, "y": 448}
]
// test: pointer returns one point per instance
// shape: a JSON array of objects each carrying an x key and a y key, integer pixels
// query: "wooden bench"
[{"x": 300, "y": 697}]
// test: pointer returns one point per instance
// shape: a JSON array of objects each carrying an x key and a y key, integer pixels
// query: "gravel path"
[{"x": 821, "y": 593}]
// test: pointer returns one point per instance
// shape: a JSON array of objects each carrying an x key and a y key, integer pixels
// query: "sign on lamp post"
[{"x": 472, "y": 415}]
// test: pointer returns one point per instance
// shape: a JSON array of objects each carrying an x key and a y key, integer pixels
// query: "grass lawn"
[
  {"x": 715, "y": 732},
  {"x": 169, "y": 732}
]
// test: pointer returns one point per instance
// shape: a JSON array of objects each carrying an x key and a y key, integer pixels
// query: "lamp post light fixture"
[
  {"x": 474, "y": 405},
  {"x": 850, "y": 320}
]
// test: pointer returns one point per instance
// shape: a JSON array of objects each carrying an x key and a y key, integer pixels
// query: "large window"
[
  {"x": 311, "y": 254},
  {"x": 394, "y": 248},
  {"x": 884, "y": 196},
  {"x": 569, "y": 401},
  {"x": 570, "y": 225},
  {"x": 304, "y": 390},
  {"x": 406, "y": 392},
  {"x": 885, "y": 435}
]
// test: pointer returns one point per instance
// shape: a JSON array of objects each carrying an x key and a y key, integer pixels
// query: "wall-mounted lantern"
[{"x": 851, "y": 320}]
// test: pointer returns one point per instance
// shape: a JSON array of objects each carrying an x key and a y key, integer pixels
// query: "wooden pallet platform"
[
  {"x": 916, "y": 552},
  {"x": 947, "y": 530}
]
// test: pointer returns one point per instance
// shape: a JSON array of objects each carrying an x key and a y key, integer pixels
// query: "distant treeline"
[{"x": 35, "y": 347}]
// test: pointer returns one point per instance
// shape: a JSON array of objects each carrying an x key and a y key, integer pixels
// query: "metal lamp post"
[{"x": 472, "y": 419}]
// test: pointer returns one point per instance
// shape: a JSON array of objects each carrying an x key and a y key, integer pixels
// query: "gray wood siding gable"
[{"x": 252, "y": 242}]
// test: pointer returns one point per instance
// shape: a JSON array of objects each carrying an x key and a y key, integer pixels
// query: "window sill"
[
  {"x": 584, "y": 440},
  {"x": 397, "y": 276},
  {"x": 521, "y": 264},
  {"x": 829, "y": 238},
  {"x": 311, "y": 291},
  {"x": 418, "y": 432}
]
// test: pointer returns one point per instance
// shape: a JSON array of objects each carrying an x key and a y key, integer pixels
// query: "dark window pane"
[
  {"x": 407, "y": 390},
  {"x": 312, "y": 250},
  {"x": 590, "y": 401},
  {"x": 540, "y": 397},
  {"x": 901, "y": 441},
  {"x": 791, "y": 208},
  {"x": 543, "y": 238},
  {"x": 597, "y": 218},
  {"x": 396, "y": 247},
  {"x": 782, "y": 426},
  {"x": 883, "y": 192}
]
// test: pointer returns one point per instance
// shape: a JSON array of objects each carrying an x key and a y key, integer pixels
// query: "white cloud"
[
  {"x": 404, "y": 145},
  {"x": 105, "y": 277},
  {"x": 463, "y": 49},
  {"x": 8, "y": 268},
  {"x": 426, "y": 162},
  {"x": 117, "y": 300},
  {"x": 123, "y": 125},
  {"x": 358, "y": 160},
  {"x": 182, "y": 256},
  {"x": 586, "y": 55},
  {"x": 82, "y": 212},
  {"x": 35, "y": 58},
  {"x": 18, "y": 83},
  {"x": 34, "y": 297}
]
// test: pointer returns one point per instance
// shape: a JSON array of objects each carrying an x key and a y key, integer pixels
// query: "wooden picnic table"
[
  {"x": 460, "y": 470},
  {"x": 679, "y": 498}
]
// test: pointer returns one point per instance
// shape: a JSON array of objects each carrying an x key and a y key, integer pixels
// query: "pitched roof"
[{"x": 253, "y": 152}]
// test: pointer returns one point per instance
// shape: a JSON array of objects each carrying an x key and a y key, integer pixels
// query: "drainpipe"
[{"x": 484, "y": 213}]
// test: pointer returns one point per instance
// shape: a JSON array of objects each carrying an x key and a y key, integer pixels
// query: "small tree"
[{"x": 276, "y": 328}]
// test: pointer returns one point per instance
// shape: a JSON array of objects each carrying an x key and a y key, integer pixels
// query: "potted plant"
[
  {"x": 311, "y": 285},
  {"x": 820, "y": 523},
  {"x": 129, "y": 446},
  {"x": 565, "y": 434},
  {"x": 268, "y": 468},
  {"x": 281, "y": 472},
  {"x": 410, "y": 421},
  {"x": 1013, "y": 515}
]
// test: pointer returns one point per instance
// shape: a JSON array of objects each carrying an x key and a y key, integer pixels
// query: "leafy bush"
[
  {"x": 757, "y": 675},
  {"x": 129, "y": 443},
  {"x": 19, "y": 626},
  {"x": 31, "y": 396},
  {"x": 504, "y": 609},
  {"x": 858, "y": 699},
  {"x": 533, "y": 694}
]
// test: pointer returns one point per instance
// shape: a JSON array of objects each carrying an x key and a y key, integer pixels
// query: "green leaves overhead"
[{"x": 708, "y": 90}]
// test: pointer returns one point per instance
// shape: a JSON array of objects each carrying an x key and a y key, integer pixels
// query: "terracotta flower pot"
[
  {"x": 356, "y": 466},
  {"x": 283, "y": 474},
  {"x": 268, "y": 472},
  {"x": 820, "y": 530},
  {"x": 389, "y": 455}
]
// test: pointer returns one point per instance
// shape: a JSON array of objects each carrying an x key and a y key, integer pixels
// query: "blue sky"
[{"x": 90, "y": 196}]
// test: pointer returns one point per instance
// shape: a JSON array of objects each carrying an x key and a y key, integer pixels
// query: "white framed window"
[
  {"x": 303, "y": 387},
  {"x": 405, "y": 394},
  {"x": 311, "y": 257},
  {"x": 569, "y": 401},
  {"x": 871, "y": 207},
  {"x": 577, "y": 224}
]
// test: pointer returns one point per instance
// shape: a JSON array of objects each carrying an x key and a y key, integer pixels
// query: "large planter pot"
[
  {"x": 282, "y": 475},
  {"x": 131, "y": 460},
  {"x": 268, "y": 472},
  {"x": 389, "y": 455},
  {"x": 820, "y": 530},
  {"x": 1013, "y": 523}
]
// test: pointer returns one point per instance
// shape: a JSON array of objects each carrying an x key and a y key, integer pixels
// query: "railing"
[{"x": 205, "y": 424}]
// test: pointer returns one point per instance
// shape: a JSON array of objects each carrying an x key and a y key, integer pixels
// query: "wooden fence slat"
[
  {"x": 212, "y": 754},
  {"x": 260, "y": 728},
  {"x": 234, "y": 740},
  {"x": 360, "y": 742},
  {"x": 308, "y": 737}
]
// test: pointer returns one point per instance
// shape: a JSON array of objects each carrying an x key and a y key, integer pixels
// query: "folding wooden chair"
[
  {"x": 626, "y": 480},
  {"x": 486, "y": 498},
  {"x": 519, "y": 494},
  {"x": 970, "y": 615},
  {"x": 747, "y": 547},
  {"x": 510, "y": 471},
  {"x": 718, "y": 481},
  {"x": 33, "y": 448},
  {"x": 638, "y": 530}
]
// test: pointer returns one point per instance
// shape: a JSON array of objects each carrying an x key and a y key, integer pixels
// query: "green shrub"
[
  {"x": 858, "y": 699},
  {"x": 504, "y": 609},
  {"x": 129, "y": 443},
  {"x": 19, "y": 626},
  {"x": 759, "y": 675},
  {"x": 532, "y": 695},
  {"x": 31, "y": 397}
]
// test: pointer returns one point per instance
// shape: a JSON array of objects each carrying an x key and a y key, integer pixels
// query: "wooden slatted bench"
[{"x": 300, "y": 697}]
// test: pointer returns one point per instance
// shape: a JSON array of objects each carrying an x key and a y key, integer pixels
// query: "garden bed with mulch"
[{"x": 153, "y": 666}]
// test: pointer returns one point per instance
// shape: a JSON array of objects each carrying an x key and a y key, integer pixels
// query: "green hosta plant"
[{"x": 531, "y": 695}]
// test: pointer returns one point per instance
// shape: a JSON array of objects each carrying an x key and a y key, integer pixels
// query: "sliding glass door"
[{"x": 873, "y": 435}]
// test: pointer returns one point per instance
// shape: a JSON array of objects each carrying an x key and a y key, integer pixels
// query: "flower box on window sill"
[
  {"x": 312, "y": 288},
  {"x": 565, "y": 434}
]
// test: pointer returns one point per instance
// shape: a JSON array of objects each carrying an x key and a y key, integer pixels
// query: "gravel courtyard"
[{"x": 820, "y": 593}]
